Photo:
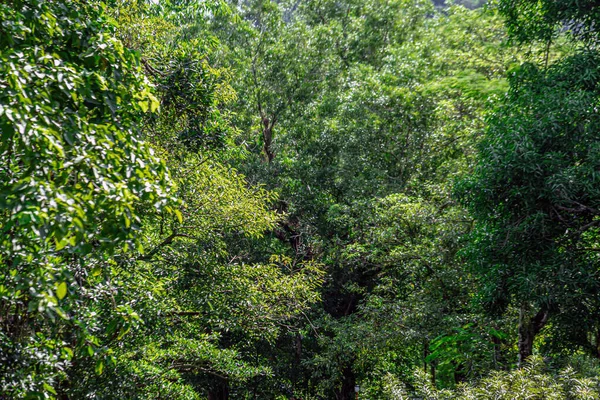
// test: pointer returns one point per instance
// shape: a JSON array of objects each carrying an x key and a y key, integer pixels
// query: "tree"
[
  {"x": 530, "y": 20},
  {"x": 74, "y": 176},
  {"x": 533, "y": 192},
  {"x": 281, "y": 64},
  {"x": 206, "y": 308},
  {"x": 393, "y": 114}
]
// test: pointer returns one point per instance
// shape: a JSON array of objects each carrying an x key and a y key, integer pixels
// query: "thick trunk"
[
  {"x": 598, "y": 344},
  {"x": 425, "y": 354},
  {"x": 268, "y": 137},
  {"x": 346, "y": 392},
  {"x": 529, "y": 327},
  {"x": 220, "y": 393},
  {"x": 297, "y": 360},
  {"x": 432, "y": 364},
  {"x": 499, "y": 356},
  {"x": 526, "y": 338}
]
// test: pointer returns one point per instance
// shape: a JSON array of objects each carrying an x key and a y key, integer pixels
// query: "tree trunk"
[
  {"x": 297, "y": 360},
  {"x": 219, "y": 393},
  {"x": 529, "y": 327},
  {"x": 346, "y": 392},
  {"x": 499, "y": 356},
  {"x": 268, "y": 137},
  {"x": 598, "y": 344},
  {"x": 425, "y": 354}
]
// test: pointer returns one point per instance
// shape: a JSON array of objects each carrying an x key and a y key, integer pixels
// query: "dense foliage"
[
  {"x": 279, "y": 199},
  {"x": 76, "y": 181}
]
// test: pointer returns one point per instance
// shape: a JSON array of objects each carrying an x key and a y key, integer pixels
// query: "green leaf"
[
  {"x": 61, "y": 290},
  {"x": 143, "y": 105},
  {"x": 99, "y": 367},
  {"x": 154, "y": 103},
  {"x": 60, "y": 244},
  {"x": 178, "y": 215},
  {"x": 67, "y": 352},
  {"x": 123, "y": 331},
  {"x": 49, "y": 388},
  {"x": 61, "y": 313}
]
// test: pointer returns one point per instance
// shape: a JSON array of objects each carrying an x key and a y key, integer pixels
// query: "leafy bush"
[{"x": 533, "y": 382}]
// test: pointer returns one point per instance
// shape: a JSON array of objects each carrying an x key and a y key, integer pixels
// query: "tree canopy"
[{"x": 297, "y": 200}]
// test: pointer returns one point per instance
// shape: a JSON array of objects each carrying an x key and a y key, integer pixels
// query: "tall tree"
[
  {"x": 533, "y": 193},
  {"x": 396, "y": 106},
  {"x": 206, "y": 307},
  {"x": 74, "y": 177}
]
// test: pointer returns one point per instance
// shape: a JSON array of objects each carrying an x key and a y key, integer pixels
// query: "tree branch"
[{"x": 167, "y": 241}]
